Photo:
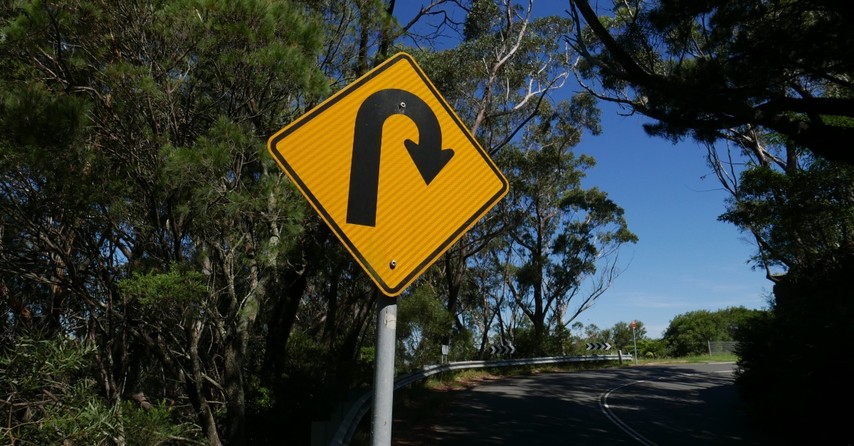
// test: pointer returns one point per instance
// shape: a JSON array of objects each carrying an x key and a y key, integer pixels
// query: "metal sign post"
[
  {"x": 384, "y": 370},
  {"x": 635, "y": 339}
]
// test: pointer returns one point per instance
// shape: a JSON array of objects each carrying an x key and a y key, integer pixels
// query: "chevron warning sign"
[
  {"x": 506, "y": 348},
  {"x": 598, "y": 346}
]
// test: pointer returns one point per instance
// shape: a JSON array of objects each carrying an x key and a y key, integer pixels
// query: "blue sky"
[{"x": 685, "y": 259}]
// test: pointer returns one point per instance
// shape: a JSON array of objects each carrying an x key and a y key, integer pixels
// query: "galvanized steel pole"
[
  {"x": 635, "y": 339},
  {"x": 384, "y": 370}
]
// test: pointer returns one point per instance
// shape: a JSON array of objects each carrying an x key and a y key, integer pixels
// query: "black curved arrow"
[{"x": 427, "y": 153}]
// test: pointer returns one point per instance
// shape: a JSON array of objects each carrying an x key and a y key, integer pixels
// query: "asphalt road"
[{"x": 643, "y": 405}]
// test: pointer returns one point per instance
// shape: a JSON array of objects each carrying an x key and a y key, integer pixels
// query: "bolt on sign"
[{"x": 392, "y": 170}]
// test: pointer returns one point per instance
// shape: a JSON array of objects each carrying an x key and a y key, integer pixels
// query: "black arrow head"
[{"x": 429, "y": 161}]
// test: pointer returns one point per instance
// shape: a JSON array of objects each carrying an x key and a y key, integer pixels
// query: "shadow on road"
[{"x": 664, "y": 404}]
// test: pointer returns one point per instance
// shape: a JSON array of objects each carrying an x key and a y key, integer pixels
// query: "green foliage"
[
  {"x": 703, "y": 69},
  {"x": 793, "y": 358},
  {"x": 529, "y": 343},
  {"x": 52, "y": 401},
  {"x": 156, "y": 426},
  {"x": 26, "y": 110},
  {"x": 651, "y": 348},
  {"x": 481, "y": 19},
  {"x": 26, "y": 366},
  {"x": 689, "y": 333},
  {"x": 803, "y": 219},
  {"x": 463, "y": 346},
  {"x": 802, "y": 216},
  {"x": 422, "y": 325},
  {"x": 367, "y": 354},
  {"x": 623, "y": 338},
  {"x": 132, "y": 139},
  {"x": 175, "y": 289},
  {"x": 80, "y": 418},
  {"x": 559, "y": 235}
]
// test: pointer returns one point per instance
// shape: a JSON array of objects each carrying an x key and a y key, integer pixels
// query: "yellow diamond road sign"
[{"x": 392, "y": 170}]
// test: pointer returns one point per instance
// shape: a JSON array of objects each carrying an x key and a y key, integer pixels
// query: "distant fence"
[
  {"x": 718, "y": 347},
  {"x": 350, "y": 419}
]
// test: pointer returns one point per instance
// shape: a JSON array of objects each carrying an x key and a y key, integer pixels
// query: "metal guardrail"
[{"x": 350, "y": 421}]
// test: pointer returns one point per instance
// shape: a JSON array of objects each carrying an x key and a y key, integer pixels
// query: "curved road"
[{"x": 661, "y": 405}]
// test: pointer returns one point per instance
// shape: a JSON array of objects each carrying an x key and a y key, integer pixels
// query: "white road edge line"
[{"x": 603, "y": 405}]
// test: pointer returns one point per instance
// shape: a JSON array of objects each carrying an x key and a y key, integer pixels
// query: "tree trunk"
[
  {"x": 196, "y": 391},
  {"x": 234, "y": 391},
  {"x": 454, "y": 271},
  {"x": 281, "y": 322}
]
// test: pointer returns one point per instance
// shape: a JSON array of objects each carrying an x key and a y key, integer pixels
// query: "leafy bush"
[
  {"x": 52, "y": 401},
  {"x": 793, "y": 362}
]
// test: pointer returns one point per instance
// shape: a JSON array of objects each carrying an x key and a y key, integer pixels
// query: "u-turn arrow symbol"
[{"x": 427, "y": 154}]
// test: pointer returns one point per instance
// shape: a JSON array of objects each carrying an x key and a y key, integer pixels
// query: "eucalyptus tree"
[
  {"x": 562, "y": 241},
  {"x": 483, "y": 302},
  {"x": 498, "y": 78}
]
